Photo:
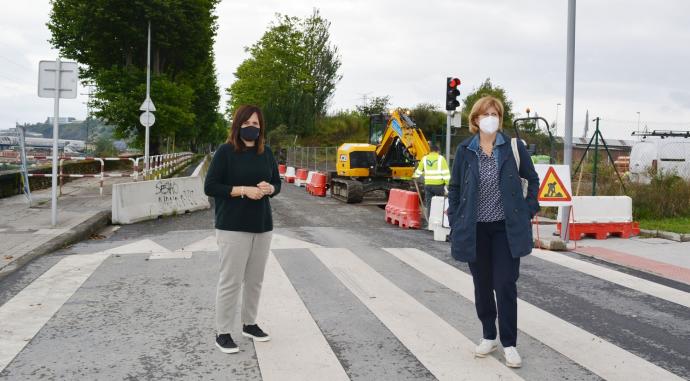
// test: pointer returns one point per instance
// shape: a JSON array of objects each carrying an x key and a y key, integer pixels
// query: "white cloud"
[{"x": 630, "y": 55}]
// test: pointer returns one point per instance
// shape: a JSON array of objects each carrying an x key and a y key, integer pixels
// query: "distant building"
[{"x": 617, "y": 147}]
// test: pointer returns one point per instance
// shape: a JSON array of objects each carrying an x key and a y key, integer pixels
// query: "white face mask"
[{"x": 489, "y": 124}]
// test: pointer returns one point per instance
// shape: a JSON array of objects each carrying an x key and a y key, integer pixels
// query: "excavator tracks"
[{"x": 349, "y": 191}]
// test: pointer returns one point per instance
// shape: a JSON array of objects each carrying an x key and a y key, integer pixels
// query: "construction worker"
[{"x": 436, "y": 174}]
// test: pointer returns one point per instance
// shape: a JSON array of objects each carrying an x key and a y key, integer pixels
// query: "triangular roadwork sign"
[{"x": 552, "y": 188}]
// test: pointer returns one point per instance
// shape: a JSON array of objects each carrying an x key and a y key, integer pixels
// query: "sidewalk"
[
  {"x": 666, "y": 258},
  {"x": 26, "y": 233}
]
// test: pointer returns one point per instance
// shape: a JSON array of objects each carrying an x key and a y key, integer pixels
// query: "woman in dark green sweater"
[{"x": 242, "y": 177}]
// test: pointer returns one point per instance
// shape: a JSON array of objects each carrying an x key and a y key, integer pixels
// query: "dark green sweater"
[{"x": 229, "y": 169}]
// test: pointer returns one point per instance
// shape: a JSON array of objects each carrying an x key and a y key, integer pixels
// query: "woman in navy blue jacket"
[{"x": 491, "y": 222}]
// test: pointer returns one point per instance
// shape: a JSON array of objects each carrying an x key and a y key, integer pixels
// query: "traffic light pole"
[
  {"x": 452, "y": 104},
  {"x": 448, "y": 127}
]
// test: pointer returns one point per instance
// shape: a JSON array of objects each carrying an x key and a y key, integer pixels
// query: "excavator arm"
[{"x": 402, "y": 129}]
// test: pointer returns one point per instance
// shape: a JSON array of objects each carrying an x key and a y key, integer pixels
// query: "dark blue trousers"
[{"x": 495, "y": 271}]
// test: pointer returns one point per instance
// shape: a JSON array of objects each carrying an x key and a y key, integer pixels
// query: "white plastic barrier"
[
  {"x": 145, "y": 200},
  {"x": 600, "y": 209},
  {"x": 309, "y": 177},
  {"x": 290, "y": 173},
  {"x": 438, "y": 219}
]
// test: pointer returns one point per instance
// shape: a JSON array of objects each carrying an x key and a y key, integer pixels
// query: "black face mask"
[{"x": 249, "y": 133}]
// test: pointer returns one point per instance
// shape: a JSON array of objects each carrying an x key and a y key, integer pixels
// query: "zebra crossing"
[{"x": 350, "y": 313}]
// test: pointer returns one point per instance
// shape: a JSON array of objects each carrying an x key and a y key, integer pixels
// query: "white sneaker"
[
  {"x": 513, "y": 359},
  {"x": 485, "y": 347}
]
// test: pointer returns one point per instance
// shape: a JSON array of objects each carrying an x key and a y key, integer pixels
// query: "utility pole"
[
  {"x": 569, "y": 100},
  {"x": 88, "y": 117},
  {"x": 596, "y": 156}
]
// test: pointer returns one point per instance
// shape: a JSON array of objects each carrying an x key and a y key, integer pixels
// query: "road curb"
[
  {"x": 78, "y": 233},
  {"x": 677, "y": 237}
]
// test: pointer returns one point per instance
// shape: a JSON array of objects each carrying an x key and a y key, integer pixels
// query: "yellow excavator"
[{"x": 367, "y": 172}]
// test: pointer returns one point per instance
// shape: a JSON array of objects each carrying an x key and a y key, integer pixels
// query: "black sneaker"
[
  {"x": 254, "y": 332},
  {"x": 225, "y": 343}
]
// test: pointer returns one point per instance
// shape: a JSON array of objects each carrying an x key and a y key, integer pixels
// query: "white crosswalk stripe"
[
  {"x": 617, "y": 277},
  {"x": 441, "y": 348},
  {"x": 28, "y": 311},
  {"x": 590, "y": 351},
  {"x": 298, "y": 351}
]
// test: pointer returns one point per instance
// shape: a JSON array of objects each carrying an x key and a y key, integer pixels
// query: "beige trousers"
[{"x": 243, "y": 259}]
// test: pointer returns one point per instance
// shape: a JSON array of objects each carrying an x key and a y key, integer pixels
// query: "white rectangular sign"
[{"x": 69, "y": 76}]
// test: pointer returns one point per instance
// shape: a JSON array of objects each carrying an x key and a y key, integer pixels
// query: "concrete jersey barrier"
[
  {"x": 145, "y": 200},
  {"x": 600, "y": 209}
]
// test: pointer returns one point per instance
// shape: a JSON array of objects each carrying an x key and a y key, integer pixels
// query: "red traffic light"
[{"x": 455, "y": 82}]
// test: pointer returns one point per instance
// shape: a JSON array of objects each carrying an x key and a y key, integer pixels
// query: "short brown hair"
[
  {"x": 480, "y": 107},
  {"x": 242, "y": 114}
]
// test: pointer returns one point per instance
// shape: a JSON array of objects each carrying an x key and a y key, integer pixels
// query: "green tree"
[
  {"x": 376, "y": 105},
  {"x": 487, "y": 88},
  {"x": 109, "y": 39},
  {"x": 430, "y": 119},
  {"x": 291, "y": 73}
]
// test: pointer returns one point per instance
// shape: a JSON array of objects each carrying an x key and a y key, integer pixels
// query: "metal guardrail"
[{"x": 159, "y": 166}]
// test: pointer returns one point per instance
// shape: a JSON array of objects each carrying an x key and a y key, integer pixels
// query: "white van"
[{"x": 668, "y": 155}]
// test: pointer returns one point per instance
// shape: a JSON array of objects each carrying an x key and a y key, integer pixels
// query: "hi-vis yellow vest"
[{"x": 434, "y": 168}]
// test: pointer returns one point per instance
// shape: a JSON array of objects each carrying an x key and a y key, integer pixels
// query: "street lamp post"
[
  {"x": 638, "y": 121},
  {"x": 555, "y": 125}
]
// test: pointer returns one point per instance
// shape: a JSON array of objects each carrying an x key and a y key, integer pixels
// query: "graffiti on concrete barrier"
[
  {"x": 166, "y": 187},
  {"x": 170, "y": 196}
]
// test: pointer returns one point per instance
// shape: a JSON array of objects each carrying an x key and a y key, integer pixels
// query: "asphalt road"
[{"x": 137, "y": 317}]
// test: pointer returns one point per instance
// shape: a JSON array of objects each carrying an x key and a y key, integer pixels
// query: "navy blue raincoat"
[{"x": 463, "y": 194}]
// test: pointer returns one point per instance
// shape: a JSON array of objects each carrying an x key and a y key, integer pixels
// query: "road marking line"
[
  {"x": 177, "y": 254},
  {"x": 444, "y": 351},
  {"x": 297, "y": 350},
  {"x": 284, "y": 242},
  {"x": 24, "y": 315},
  {"x": 205, "y": 244},
  {"x": 617, "y": 277},
  {"x": 592, "y": 352},
  {"x": 144, "y": 246},
  {"x": 279, "y": 241}
]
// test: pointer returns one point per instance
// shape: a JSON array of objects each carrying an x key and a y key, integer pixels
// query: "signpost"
[
  {"x": 147, "y": 119},
  {"x": 57, "y": 79}
]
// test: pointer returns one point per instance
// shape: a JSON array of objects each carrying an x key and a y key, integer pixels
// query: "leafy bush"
[{"x": 667, "y": 196}]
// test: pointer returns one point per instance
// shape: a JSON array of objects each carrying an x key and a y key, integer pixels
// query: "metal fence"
[{"x": 322, "y": 159}]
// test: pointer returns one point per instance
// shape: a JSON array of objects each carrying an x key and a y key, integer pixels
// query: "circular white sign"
[{"x": 147, "y": 119}]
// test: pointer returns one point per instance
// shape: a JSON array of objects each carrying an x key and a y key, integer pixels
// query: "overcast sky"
[{"x": 631, "y": 55}]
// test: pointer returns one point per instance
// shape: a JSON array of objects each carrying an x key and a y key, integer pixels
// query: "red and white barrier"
[
  {"x": 601, "y": 217},
  {"x": 301, "y": 177},
  {"x": 290, "y": 175}
]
